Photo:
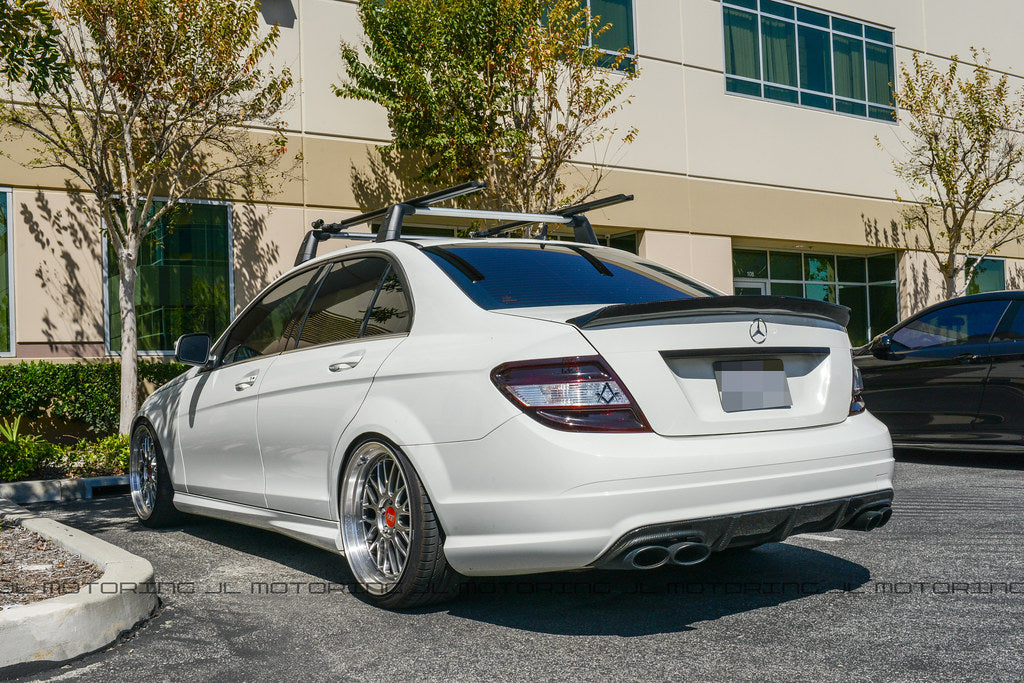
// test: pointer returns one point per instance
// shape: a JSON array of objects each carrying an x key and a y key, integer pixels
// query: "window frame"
[
  {"x": 980, "y": 260},
  {"x": 799, "y": 89},
  {"x": 217, "y": 349},
  {"x": 393, "y": 264},
  {"x": 232, "y": 316},
  {"x": 7, "y": 196},
  {"x": 767, "y": 280},
  {"x": 633, "y": 52}
]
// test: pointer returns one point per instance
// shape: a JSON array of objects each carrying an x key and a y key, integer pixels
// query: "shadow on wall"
[
  {"x": 64, "y": 236},
  {"x": 257, "y": 260},
  {"x": 1014, "y": 275},
  {"x": 918, "y": 289},
  {"x": 278, "y": 12},
  {"x": 380, "y": 180}
]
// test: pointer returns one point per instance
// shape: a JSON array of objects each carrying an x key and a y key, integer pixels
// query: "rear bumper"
[
  {"x": 528, "y": 499},
  {"x": 747, "y": 528}
]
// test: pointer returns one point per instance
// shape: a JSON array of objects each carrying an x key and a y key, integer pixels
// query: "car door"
[
  {"x": 1001, "y": 416},
  {"x": 216, "y": 419},
  {"x": 359, "y": 314},
  {"x": 929, "y": 385}
]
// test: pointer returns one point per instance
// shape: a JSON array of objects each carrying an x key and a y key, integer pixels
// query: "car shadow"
[
  {"x": 594, "y": 602},
  {"x": 1005, "y": 461},
  {"x": 664, "y": 600}
]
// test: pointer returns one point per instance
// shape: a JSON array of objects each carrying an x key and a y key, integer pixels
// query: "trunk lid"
[{"x": 721, "y": 365}]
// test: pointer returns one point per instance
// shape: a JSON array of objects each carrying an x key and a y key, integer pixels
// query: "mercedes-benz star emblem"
[{"x": 758, "y": 331}]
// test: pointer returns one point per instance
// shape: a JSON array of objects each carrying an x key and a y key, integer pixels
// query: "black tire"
[
  {"x": 425, "y": 577},
  {"x": 149, "y": 480}
]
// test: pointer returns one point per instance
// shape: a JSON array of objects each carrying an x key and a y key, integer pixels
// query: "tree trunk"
[
  {"x": 129, "y": 343},
  {"x": 951, "y": 289}
]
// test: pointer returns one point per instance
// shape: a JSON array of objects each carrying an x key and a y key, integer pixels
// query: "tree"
[
  {"x": 509, "y": 91},
  {"x": 28, "y": 46},
  {"x": 157, "y": 103},
  {"x": 961, "y": 160}
]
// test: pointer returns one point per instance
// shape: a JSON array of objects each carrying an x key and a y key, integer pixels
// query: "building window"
[
  {"x": 619, "y": 36},
  {"x": 185, "y": 278},
  {"x": 790, "y": 53},
  {"x": 989, "y": 276},
  {"x": 867, "y": 285},
  {"x": 6, "y": 291}
]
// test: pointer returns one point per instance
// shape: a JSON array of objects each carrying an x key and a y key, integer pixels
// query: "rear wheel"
[
  {"x": 149, "y": 480},
  {"x": 392, "y": 540}
]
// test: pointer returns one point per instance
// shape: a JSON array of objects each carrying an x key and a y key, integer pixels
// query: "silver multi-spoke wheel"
[
  {"x": 376, "y": 517},
  {"x": 143, "y": 471}
]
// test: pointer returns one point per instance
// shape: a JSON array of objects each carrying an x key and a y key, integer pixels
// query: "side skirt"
[{"x": 322, "y": 533}]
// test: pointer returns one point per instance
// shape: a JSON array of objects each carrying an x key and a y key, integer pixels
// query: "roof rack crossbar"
[
  {"x": 423, "y": 200},
  {"x": 394, "y": 214},
  {"x": 573, "y": 210},
  {"x": 482, "y": 214}
]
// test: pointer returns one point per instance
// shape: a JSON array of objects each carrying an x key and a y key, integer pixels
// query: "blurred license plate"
[{"x": 752, "y": 384}]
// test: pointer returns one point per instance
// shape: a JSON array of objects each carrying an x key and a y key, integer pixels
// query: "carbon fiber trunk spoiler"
[{"x": 715, "y": 305}]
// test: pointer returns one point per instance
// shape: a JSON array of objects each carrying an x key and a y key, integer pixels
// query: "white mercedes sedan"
[{"x": 438, "y": 408}]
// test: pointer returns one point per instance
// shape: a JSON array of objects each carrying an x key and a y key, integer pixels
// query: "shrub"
[
  {"x": 22, "y": 458},
  {"x": 77, "y": 392},
  {"x": 104, "y": 457}
]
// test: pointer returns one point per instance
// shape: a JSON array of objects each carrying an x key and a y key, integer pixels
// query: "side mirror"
[
  {"x": 193, "y": 349},
  {"x": 881, "y": 346}
]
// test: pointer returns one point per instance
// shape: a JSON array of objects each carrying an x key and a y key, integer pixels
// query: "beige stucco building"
[{"x": 755, "y": 169}]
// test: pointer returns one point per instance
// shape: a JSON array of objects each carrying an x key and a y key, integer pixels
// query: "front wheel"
[
  {"x": 149, "y": 480},
  {"x": 392, "y": 539}
]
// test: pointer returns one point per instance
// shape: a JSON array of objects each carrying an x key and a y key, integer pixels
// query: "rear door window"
[
  {"x": 551, "y": 274},
  {"x": 358, "y": 297}
]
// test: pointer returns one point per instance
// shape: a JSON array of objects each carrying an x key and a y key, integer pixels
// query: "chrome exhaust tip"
[
  {"x": 647, "y": 557},
  {"x": 689, "y": 553}
]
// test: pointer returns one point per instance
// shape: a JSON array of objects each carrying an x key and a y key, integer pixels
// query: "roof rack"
[{"x": 393, "y": 215}]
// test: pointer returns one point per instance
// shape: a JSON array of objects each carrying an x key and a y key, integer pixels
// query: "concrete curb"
[
  {"x": 49, "y": 490},
  {"x": 67, "y": 626}
]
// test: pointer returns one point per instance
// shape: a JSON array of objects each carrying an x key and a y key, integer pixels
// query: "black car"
[{"x": 952, "y": 375}]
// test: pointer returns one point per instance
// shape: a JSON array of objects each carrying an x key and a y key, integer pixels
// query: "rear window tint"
[{"x": 546, "y": 274}]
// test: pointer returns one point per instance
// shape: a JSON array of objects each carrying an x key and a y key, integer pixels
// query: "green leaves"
[
  {"x": 75, "y": 392},
  {"x": 29, "y": 53},
  {"x": 502, "y": 90}
]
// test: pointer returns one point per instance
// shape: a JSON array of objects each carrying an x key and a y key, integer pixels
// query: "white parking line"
[{"x": 817, "y": 537}]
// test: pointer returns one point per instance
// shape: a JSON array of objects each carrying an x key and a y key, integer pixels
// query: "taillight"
[
  {"x": 857, "y": 401},
  {"x": 573, "y": 394}
]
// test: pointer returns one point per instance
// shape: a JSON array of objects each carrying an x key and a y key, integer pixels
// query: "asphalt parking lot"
[{"x": 938, "y": 594}]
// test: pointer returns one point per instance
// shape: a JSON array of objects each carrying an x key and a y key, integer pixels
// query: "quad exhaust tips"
[
  {"x": 685, "y": 553},
  {"x": 870, "y": 519}
]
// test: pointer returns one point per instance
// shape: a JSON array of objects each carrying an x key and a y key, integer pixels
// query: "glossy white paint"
[
  {"x": 304, "y": 406},
  {"x": 216, "y": 432},
  {"x": 512, "y": 495}
]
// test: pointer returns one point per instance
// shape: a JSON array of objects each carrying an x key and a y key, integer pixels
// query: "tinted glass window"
[
  {"x": 342, "y": 301},
  {"x": 1012, "y": 330},
  {"x": 266, "y": 327},
  {"x": 970, "y": 323},
  {"x": 390, "y": 314},
  {"x": 546, "y": 274}
]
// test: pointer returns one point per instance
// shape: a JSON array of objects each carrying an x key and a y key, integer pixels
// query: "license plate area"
[{"x": 752, "y": 384}]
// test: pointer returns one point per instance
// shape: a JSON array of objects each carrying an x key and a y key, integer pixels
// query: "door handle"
[
  {"x": 346, "y": 363},
  {"x": 967, "y": 358},
  {"x": 246, "y": 383}
]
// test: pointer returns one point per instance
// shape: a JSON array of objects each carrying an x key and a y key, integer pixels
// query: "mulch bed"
[{"x": 34, "y": 568}]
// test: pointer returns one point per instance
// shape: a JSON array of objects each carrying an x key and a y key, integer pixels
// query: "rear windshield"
[{"x": 547, "y": 274}]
